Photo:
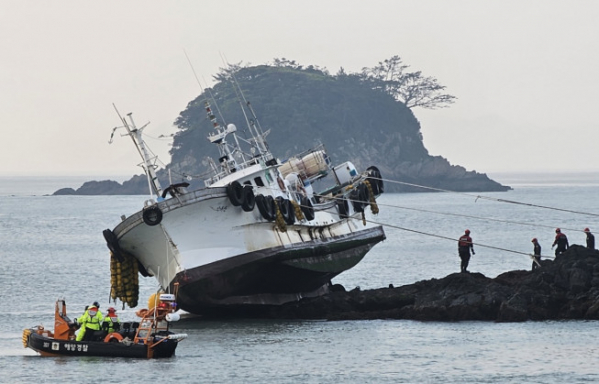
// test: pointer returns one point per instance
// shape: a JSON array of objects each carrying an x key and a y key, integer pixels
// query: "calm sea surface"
[{"x": 52, "y": 246}]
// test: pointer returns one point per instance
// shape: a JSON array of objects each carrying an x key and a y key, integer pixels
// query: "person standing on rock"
[
  {"x": 561, "y": 241},
  {"x": 590, "y": 239},
  {"x": 537, "y": 254},
  {"x": 464, "y": 247}
]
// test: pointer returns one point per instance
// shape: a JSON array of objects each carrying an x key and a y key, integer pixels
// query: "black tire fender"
[
  {"x": 375, "y": 180},
  {"x": 235, "y": 193},
  {"x": 343, "y": 207},
  {"x": 361, "y": 198},
  {"x": 152, "y": 215},
  {"x": 266, "y": 207},
  {"x": 286, "y": 210},
  {"x": 249, "y": 200},
  {"x": 354, "y": 198},
  {"x": 113, "y": 244},
  {"x": 307, "y": 208}
]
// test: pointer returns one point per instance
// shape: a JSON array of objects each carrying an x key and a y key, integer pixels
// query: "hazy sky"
[{"x": 525, "y": 73}]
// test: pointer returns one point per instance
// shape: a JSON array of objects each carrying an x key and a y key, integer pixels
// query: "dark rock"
[
  {"x": 65, "y": 191},
  {"x": 137, "y": 185},
  {"x": 566, "y": 288}
]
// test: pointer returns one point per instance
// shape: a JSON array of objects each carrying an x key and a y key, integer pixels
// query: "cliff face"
[{"x": 303, "y": 108}]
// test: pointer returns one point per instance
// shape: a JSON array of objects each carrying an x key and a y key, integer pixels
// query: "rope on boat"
[
  {"x": 280, "y": 221},
  {"x": 298, "y": 210},
  {"x": 373, "y": 205}
]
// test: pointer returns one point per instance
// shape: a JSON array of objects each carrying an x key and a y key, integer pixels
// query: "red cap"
[
  {"x": 111, "y": 309},
  {"x": 557, "y": 230},
  {"x": 467, "y": 231},
  {"x": 587, "y": 230},
  {"x": 534, "y": 240}
]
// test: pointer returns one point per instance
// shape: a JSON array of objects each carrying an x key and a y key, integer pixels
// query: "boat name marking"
[{"x": 76, "y": 347}]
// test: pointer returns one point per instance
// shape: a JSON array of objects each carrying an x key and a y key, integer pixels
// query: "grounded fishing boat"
[
  {"x": 148, "y": 338},
  {"x": 261, "y": 232}
]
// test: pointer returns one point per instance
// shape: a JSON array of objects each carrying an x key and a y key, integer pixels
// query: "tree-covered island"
[{"x": 364, "y": 117}]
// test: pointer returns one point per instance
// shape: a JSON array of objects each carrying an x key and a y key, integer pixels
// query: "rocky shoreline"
[{"x": 566, "y": 288}]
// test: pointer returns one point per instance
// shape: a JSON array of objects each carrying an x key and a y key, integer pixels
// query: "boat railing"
[{"x": 267, "y": 159}]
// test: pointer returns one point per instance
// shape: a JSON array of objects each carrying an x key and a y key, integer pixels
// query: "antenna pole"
[{"x": 136, "y": 135}]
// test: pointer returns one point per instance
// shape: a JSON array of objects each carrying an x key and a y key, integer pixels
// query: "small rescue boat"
[{"x": 148, "y": 338}]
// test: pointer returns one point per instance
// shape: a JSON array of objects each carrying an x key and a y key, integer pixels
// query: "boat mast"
[
  {"x": 253, "y": 124},
  {"x": 140, "y": 144},
  {"x": 227, "y": 160}
]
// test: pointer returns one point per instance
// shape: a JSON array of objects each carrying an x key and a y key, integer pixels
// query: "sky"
[{"x": 525, "y": 73}]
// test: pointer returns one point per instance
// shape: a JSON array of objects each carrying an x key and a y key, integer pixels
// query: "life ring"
[
  {"x": 343, "y": 207},
  {"x": 113, "y": 337},
  {"x": 249, "y": 200},
  {"x": 286, "y": 210},
  {"x": 266, "y": 206},
  {"x": 113, "y": 244},
  {"x": 235, "y": 193},
  {"x": 307, "y": 208},
  {"x": 375, "y": 179},
  {"x": 152, "y": 215}
]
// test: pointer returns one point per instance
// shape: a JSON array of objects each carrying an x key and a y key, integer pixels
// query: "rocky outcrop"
[
  {"x": 137, "y": 185},
  {"x": 566, "y": 288},
  {"x": 437, "y": 173}
]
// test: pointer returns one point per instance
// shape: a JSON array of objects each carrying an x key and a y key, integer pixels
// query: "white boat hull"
[{"x": 223, "y": 257}]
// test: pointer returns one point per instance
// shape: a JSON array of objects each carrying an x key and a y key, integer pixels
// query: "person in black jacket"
[
  {"x": 590, "y": 239},
  {"x": 561, "y": 241},
  {"x": 464, "y": 248},
  {"x": 537, "y": 253}
]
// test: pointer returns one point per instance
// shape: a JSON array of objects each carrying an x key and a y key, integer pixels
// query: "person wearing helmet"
[
  {"x": 537, "y": 254},
  {"x": 111, "y": 321},
  {"x": 89, "y": 322},
  {"x": 464, "y": 247},
  {"x": 97, "y": 305},
  {"x": 561, "y": 240},
  {"x": 590, "y": 239}
]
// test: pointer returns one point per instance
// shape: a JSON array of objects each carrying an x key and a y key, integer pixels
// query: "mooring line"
[
  {"x": 488, "y": 198},
  {"x": 452, "y": 239},
  {"x": 478, "y": 217},
  {"x": 439, "y": 236},
  {"x": 334, "y": 198}
]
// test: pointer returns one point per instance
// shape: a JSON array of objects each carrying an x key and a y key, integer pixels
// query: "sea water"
[{"x": 52, "y": 247}]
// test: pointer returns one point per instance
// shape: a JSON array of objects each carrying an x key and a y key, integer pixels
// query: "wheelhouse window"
[{"x": 269, "y": 178}]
